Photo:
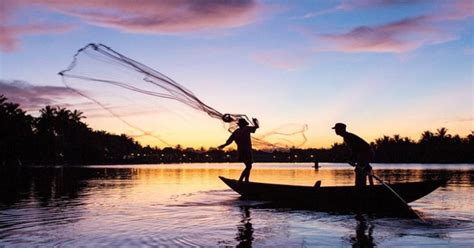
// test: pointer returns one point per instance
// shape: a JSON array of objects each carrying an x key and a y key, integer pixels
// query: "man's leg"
[
  {"x": 369, "y": 173},
  {"x": 248, "y": 167},
  {"x": 364, "y": 160},
  {"x": 360, "y": 180},
  {"x": 246, "y": 172},
  {"x": 242, "y": 175}
]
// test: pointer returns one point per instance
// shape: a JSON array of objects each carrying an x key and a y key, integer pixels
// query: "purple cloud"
[
  {"x": 457, "y": 10},
  {"x": 356, "y": 4},
  {"x": 32, "y": 97},
  {"x": 400, "y": 36},
  {"x": 9, "y": 38},
  {"x": 349, "y": 5},
  {"x": 163, "y": 16},
  {"x": 140, "y": 16}
]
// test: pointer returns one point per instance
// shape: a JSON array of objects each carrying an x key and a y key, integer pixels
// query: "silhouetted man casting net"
[
  {"x": 361, "y": 155},
  {"x": 242, "y": 138}
]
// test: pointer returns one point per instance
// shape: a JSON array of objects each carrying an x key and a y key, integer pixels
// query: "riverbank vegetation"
[{"x": 59, "y": 136}]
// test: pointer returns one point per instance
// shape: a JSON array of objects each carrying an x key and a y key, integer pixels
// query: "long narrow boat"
[{"x": 376, "y": 198}]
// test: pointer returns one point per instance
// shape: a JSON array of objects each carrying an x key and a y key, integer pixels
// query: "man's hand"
[
  {"x": 255, "y": 122},
  {"x": 221, "y": 147}
]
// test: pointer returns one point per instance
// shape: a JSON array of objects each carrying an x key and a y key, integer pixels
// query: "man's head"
[
  {"x": 340, "y": 128},
  {"x": 242, "y": 122}
]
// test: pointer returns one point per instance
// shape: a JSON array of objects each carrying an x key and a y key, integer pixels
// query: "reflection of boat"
[{"x": 376, "y": 198}]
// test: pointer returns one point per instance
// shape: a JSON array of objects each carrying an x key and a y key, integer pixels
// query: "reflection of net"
[{"x": 99, "y": 64}]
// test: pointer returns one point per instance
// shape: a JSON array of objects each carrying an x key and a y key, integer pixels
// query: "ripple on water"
[{"x": 37, "y": 227}]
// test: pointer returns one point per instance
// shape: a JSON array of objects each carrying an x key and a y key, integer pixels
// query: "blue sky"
[{"x": 382, "y": 67}]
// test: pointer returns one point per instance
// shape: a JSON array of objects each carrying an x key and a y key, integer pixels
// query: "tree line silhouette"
[{"x": 59, "y": 137}]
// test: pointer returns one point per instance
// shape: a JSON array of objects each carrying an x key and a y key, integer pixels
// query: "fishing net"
[{"x": 132, "y": 93}]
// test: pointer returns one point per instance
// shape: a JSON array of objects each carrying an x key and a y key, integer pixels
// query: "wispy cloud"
[
  {"x": 399, "y": 36},
  {"x": 11, "y": 30},
  {"x": 455, "y": 10},
  {"x": 162, "y": 16},
  {"x": 9, "y": 35},
  {"x": 281, "y": 59},
  {"x": 33, "y": 97},
  {"x": 358, "y": 4},
  {"x": 468, "y": 119},
  {"x": 141, "y": 16},
  {"x": 350, "y": 5}
]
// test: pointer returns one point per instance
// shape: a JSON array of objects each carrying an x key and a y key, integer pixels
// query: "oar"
[{"x": 398, "y": 196}]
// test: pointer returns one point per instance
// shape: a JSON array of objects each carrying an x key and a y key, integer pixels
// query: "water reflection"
[
  {"x": 49, "y": 185},
  {"x": 174, "y": 204},
  {"x": 244, "y": 228},
  {"x": 363, "y": 235},
  {"x": 61, "y": 185}
]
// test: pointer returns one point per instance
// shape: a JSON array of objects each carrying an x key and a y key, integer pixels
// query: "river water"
[{"x": 186, "y": 205}]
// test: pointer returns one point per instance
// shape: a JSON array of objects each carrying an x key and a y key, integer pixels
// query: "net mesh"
[{"x": 123, "y": 87}]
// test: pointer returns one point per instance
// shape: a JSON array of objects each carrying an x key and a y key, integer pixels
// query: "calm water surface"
[{"x": 187, "y": 205}]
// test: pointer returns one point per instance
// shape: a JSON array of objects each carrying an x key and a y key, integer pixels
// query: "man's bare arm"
[{"x": 228, "y": 142}]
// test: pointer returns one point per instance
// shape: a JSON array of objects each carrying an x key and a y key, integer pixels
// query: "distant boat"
[{"x": 376, "y": 198}]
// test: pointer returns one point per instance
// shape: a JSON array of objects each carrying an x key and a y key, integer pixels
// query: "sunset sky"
[{"x": 382, "y": 67}]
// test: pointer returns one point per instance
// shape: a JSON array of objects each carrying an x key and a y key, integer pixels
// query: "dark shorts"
[
  {"x": 364, "y": 157},
  {"x": 245, "y": 156},
  {"x": 362, "y": 160},
  {"x": 363, "y": 169}
]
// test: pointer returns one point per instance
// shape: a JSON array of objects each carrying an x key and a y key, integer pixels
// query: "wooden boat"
[{"x": 376, "y": 198}]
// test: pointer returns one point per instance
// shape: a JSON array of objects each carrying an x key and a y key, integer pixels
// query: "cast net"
[{"x": 141, "y": 100}]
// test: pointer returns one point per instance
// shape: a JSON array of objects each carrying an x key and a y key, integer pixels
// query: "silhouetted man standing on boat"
[
  {"x": 361, "y": 155},
  {"x": 241, "y": 136}
]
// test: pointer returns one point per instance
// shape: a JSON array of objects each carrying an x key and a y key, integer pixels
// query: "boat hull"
[{"x": 374, "y": 198}]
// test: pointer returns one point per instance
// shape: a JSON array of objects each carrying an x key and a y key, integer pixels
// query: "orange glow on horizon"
[{"x": 319, "y": 136}]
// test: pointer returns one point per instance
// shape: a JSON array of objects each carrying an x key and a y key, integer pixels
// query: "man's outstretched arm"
[{"x": 228, "y": 142}]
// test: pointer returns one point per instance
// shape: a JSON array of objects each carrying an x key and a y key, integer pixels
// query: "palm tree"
[
  {"x": 426, "y": 136},
  {"x": 441, "y": 132},
  {"x": 77, "y": 115},
  {"x": 45, "y": 123},
  {"x": 15, "y": 132}
]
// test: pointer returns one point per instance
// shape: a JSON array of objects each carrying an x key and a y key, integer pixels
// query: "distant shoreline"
[
  {"x": 59, "y": 137},
  {"x": 310, "y": 164}
]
